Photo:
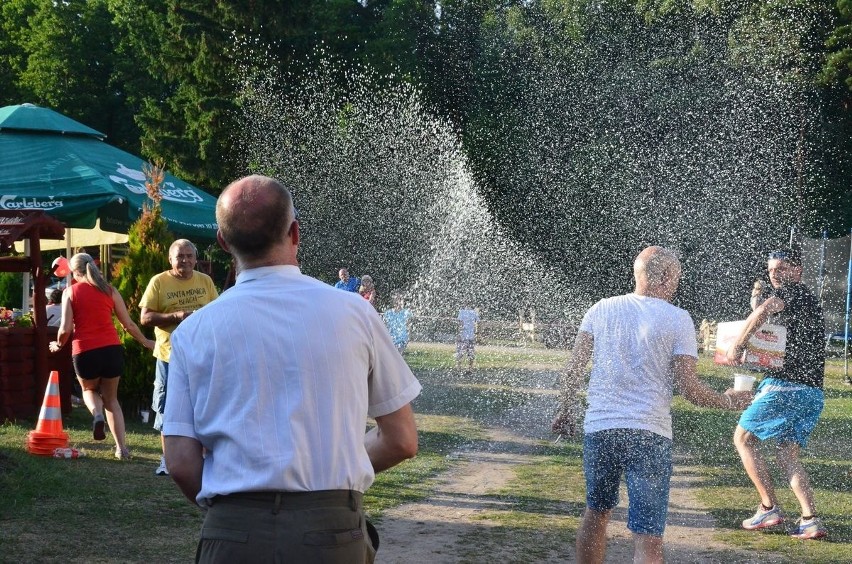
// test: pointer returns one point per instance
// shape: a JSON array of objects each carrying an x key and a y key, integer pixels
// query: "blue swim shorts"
[
  {"x": 785, "y": 411},
  {"x": 645, "y": 459}
]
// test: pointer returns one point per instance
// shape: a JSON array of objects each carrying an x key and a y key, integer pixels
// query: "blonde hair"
[{"x": 84, "y": 264}]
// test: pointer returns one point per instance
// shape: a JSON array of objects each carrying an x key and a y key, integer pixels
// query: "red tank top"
[{"x": 93, "y": 327}]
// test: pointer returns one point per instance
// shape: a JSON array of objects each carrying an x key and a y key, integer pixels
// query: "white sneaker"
[
  {"x": 812, "y": 529},
  {"x": 161, "y": 469},
  {"x": 764, "y": 518}
]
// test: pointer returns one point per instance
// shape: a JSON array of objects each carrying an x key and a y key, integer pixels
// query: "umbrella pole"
[{"x": 25, "y": 291}]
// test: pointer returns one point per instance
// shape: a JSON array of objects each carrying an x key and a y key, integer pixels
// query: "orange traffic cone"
[{"x": 48, "y": 434}]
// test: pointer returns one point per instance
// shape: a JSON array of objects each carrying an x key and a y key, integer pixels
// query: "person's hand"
[
  {"x": 735, "y": 355},
  {"x": 739, "y": 400},
  {"x": 54, "y": 346},
  {"x": 564, "y": 424},
  {"x": 149, "y": 344}
]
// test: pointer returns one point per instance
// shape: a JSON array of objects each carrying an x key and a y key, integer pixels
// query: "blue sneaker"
[
  {"x": 806, "y": 530},
  {"x": 764, "y": 518}
]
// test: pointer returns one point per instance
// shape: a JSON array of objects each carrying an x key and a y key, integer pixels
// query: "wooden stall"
[{"x": 24, "y": 356}]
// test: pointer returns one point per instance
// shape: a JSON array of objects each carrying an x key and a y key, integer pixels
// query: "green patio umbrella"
[{"x": 50, "y": 162}]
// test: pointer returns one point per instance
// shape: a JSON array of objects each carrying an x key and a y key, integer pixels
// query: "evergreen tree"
[
  {"x": 836, "y": 76},
  {"x": 62, "y": 55},
  {"x": 838, "y": 64}
]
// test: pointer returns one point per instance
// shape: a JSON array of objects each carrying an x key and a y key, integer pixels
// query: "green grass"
[
  {"x": 99, "y": 509},
  {"x": 106, "y": 509},
  {"x": 440, "y": 357},
  {"x": 439, "y": 437}
]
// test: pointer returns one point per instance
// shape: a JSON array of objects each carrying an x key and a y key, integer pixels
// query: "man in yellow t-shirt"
[{"x": 170, "y": 298}]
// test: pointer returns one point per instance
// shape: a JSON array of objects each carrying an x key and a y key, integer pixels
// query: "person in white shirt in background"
[{"x": 466, "y": 339}]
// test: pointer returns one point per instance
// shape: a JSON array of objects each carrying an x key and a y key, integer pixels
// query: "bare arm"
[
  {"x": 392, "y": 440},
  {"x": 753, "y": 322},
  {"x": 66, "y": 326},
  {"x": 185, "y": 461},
  {"x": 699, "y": 393},
  {"x": 572, "y": 382},
  {"x": 151, "y": 318},
  {"x": 127, "y": 323}
]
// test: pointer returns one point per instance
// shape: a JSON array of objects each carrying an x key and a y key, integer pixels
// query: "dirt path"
[
  {"x": 438, "y": 529},
  {"x": 432, "y": 530}
]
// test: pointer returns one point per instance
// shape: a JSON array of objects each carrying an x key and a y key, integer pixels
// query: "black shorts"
[{"x": 105, "y": 362}]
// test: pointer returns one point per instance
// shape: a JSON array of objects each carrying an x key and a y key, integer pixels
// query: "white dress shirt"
[{"x": 275, "y": 379}]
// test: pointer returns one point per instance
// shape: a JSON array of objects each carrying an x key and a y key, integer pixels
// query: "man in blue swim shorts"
[
  {"x": 789, "y": 400},
  {"x": 636, "y": 343}
]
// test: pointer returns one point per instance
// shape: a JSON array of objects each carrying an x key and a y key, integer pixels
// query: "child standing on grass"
[
  {"x": 465, "y": 341},
  {"x": 397, "y": 321}
]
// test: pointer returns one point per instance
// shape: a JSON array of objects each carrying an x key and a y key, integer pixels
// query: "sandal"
[{"x": 122, "y": 454}]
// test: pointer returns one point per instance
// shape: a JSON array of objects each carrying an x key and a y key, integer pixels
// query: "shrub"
[{"x": 11, "y": 289}]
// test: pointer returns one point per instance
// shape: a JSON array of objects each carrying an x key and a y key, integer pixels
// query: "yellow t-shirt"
[{"x": 167, "y": 294}]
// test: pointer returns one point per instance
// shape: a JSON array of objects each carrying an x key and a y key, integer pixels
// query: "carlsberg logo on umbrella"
[
  {"x": 130, "y": 179},
  {"x": 124, "y": 176},
  {"x": 12, "y": 202}
]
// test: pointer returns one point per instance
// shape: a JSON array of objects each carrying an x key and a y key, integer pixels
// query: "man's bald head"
[
  {"x": 253, "y": 214},
  {"x": 657, "y": 272}
]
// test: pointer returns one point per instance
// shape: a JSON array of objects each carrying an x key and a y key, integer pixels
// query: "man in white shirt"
[
  {"x": 270, "y": 387},
  {"x": 640, "y": 345}
]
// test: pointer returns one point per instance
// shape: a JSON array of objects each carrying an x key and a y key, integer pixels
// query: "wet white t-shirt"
[
  {"x": 635, "y": 341},
  {"x": 469, "y": 319}
]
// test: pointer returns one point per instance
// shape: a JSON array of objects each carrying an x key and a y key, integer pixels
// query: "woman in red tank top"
[{"x": 87, "y": 308}]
